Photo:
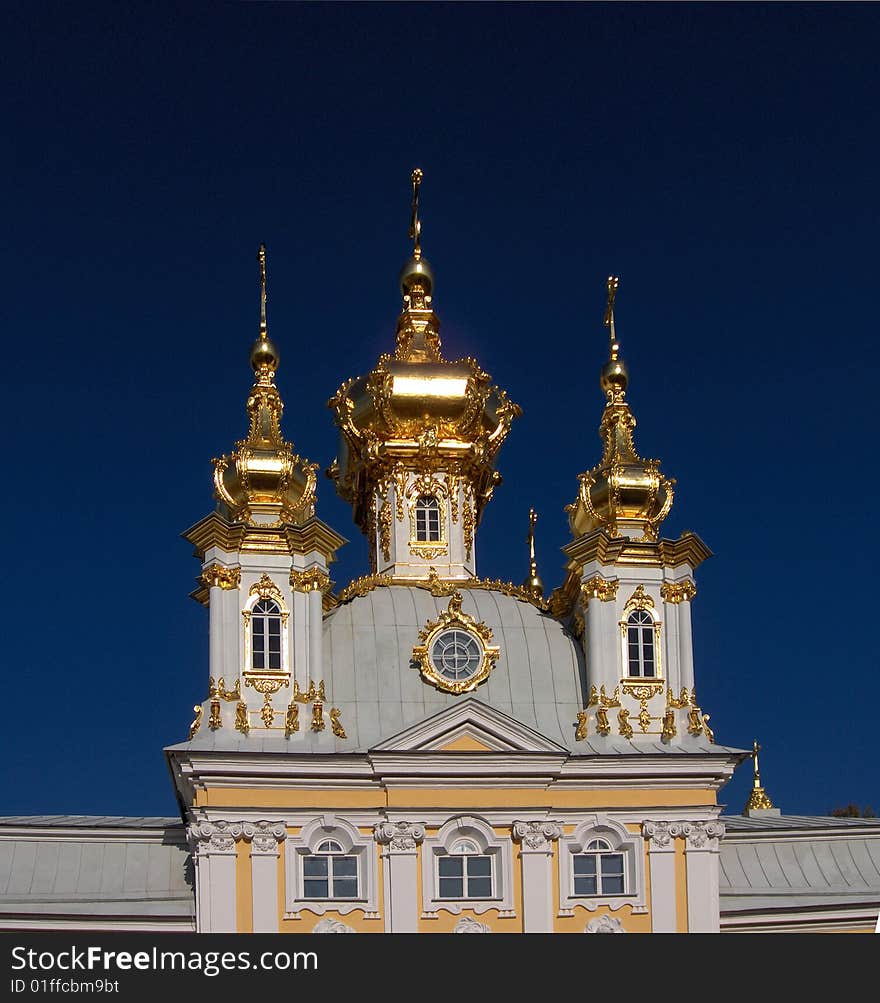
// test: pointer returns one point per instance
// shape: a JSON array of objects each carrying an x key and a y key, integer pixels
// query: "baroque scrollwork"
[
  {"x": 402, "y": 837},
  {"x": 537, "y": 835},
  {"x": 678, "y": 592},
  {"x": 264, "y": 837}
]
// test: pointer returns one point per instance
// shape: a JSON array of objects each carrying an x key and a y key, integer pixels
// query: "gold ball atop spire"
[
  {"x": 614, "y": 378},
  {"x": 264, "y": 356},
  {"x": 417, "y": 175}
]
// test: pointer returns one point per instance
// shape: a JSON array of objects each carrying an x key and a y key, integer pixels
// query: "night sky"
[{"x": 721, "y": 159}]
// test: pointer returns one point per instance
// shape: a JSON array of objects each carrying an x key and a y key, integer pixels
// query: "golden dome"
[
  {"x": 262, "y": 481},
  {"x": 625, "y": 494},
  {"x": 416, "y": 407}
]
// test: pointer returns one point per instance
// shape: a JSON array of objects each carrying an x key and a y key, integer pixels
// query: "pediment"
[{"x": 469, "y": 726}]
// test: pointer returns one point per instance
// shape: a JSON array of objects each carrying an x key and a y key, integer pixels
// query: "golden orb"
[
  {"x": 416, "y": 270},
  {"x": 614, "y": 376},
  {"x": 264, "y": 355}
]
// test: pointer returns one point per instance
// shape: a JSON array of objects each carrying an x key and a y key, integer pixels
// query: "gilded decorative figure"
[
  {"x": 581, "y": 732},
  {"x": 197, "y": 721},
  {"x": 266, "y": 712},
  {"x": 214, "y": 721},
  {"x": 602, "y": 725},
  {"x": 669, "y": 729},
  {"x": 318, "y": 716},
  {"x": 242, "y": 723},
  {"x": 291, "y": 719},
  {"x": 336, "y": 723},
  {"x": 623, "y": 721}
]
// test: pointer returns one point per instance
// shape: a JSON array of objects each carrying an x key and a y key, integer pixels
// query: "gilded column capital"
[
  {"x": 678, "y": 592},
  {"x": 663, "y": 834},
  {"x": 705, "y": 835},
  {"x": 312, "y": 580},
  {"x": 536, "y": 836},
  {"x": 214, "y": 837},
  {"x": 599, "y": 588},
  {"x": 400, "y": 837},
  {"x": 264, "y": 837},
  {"x": 216, "y": 576}
]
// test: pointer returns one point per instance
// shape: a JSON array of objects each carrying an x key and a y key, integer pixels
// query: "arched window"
[
  {"x": 330, "y": 872},
  {"x": 598, "y": 870},
  {"x": 465, "y": 873},
  {"x": 266, "y": 635},
  {"x": 427, "y": 519},
  {"x": 640, "y": 644}
]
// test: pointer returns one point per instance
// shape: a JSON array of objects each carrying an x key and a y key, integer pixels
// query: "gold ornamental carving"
[
  {"x": 454, "y": 618},
  {"x": 385, "y": 520},
  {"x": 310, "y": 695},
  {"x": 336, "y": 723},
  {"x": 291, "y": 719},
  {"x": 219, "y": 689},
  {"x": 318, "y": 716},
  {"x": 427, "y": 551},
  {"x": 599, "y": 588},
  {"x": 603, "y": 727},
  {"x": 242, "y": 723},
  {"x": 678, "y": 592},
  {"x": 266, "y": 712},
  {"x": 669, "y": 730},
  {"x": 623, "y": 722},
  {"x": 679, "y": 702},
  {"x": 581, "y": 732},
  {"x": 266, "y": 684},
  {"x": 265, "y": 588},
  {"x": 639, "y": 600},
  {"x": 312, "y": 580},
  {"x": 197, "y": 721},
  {"x": 467, "y": 523},
  {"x": 216, "y": 576},
  {"x": 214, "y": 720}
]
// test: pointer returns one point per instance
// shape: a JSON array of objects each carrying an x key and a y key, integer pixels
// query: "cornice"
[{"x": 311, "y": 536}]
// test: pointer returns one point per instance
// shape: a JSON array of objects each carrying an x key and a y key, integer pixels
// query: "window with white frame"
[
  {"x": 330, "y": 872},
  {"x": 641, "y": 662},
  {"x": 330, "y": 865},
  {"x": 466, "y": 865},
  {"x": 428, "y": 519},
  {"x": 266, "y": 635},
  {"x": 601, "y": 863}
]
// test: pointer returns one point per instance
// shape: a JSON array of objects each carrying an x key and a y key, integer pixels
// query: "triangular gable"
[{"x": 469, "y": 726}]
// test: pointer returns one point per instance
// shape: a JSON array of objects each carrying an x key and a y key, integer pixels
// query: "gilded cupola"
[
  {"x": 263, "y": 481},
  {"x": 624, "y": 494},
  {"x": 417, "y": 413}
]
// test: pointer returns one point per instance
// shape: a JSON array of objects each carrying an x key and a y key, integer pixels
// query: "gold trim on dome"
[
  {"x": 311, "y": 580},
  {"x": 437, "y": 586},
  {"x": 678, "y": 592},
  {"x": 454, "y": 618}
]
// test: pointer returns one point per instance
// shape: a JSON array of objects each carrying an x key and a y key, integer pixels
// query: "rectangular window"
[{"x": 330, "y": 877}]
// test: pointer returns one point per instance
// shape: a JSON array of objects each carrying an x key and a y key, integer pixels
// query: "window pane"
[
  {"x": 479, "y": 867},
  {"x": 585, "y": 866},
  {"x": 450, "y": 867},
  {"x": 274, "y": 626},
  {"x": 315, "y": 867},
  {"x": 259, "y": 624},
  {"x": 479, "y": 888},
  {"x": 274, "y": 660},
  {"x": 451, "y": 888},
  {"x": 315, "y": 888},
  {"x": 345, "y": 867},
  {"x": 612, "y": 873},
  {"x": 584, "y": 886},
  {"x": 259, "y": 662},
  {"x": 345, "y": 888}
]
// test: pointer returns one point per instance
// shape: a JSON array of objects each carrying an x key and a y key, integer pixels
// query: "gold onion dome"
[
  {"x": 263, "y": 482},
  {"x": 416, "y": 408},
  {"x": 625, "y": 495}
]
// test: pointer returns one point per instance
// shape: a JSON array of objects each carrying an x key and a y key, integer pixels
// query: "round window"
[{"x": 456, "y": 655}]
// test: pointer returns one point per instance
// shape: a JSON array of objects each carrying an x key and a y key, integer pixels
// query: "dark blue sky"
[{"x": 721, "y": 159}]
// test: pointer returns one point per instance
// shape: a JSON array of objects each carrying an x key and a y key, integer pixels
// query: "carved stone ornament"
[
  {"x": 537, "y": 835},
  {"x": 400, "y": 836},
  {"x": 264, "y": 837},
  {"x": 215, "y": 837},
  {"x": 663, "y": 834},
  {"x": 604, "y": 924},
  {"x": 467, "y": 924},
  {"x": 704, "y": 835},
  {"x": 328, "y": 925}
]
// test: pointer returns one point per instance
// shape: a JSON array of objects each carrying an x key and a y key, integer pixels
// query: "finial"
[
  {"x": 758, "y": 799},
  {"x": 533, "y": 583},
  {"x": 612, "y": 284},
  {"x": 261, "y": 257},
  {"x": 415, "y": 226}
]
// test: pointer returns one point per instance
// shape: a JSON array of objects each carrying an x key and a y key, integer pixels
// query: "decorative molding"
[
  {"x": 678, "y": 592},
  {"x": 639, "y": 600},
  {"x": 663, "y": 834},
  {"x": 704, "y": 835},
  {"x": 537, "y": 835},
  {"x": 605, "y": 827},
  {"x": 216, "y": 576},
  {"x": 328, "y": 925},
  {"x": 437, "y": 586},
  {"x": 313, "y": 580},
  {"x": 265, "y": 588},
  {"x": 264, "y": 837},
  {"x": 399, "y": 837},
  {"x": 604, "y": 924},
  {"x": 214, "y": 837},
  {"x": 599, "y": 588},
  {"x": 467, "y": 924}
]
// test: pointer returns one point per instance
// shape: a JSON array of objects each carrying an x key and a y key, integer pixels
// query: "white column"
[
  {"x": 215, "y": 634},
  {"x": 602, "y": 642},
  {"x": 400, "y": 857},
  {"x": 686, "y": 644},
  {"x": 702, "y": 855},
  {"x": 661, "y": 860},
  {"x": 214, "y": 848},
  {"x": 232, "y": 634},
  {"x": 672, "y": 647},
  {"x": 316, "y": 635},
  {"x": 264, "y": 838},
  {"x": 299, "y": 640},
  {"x": 536, "y": 852}
]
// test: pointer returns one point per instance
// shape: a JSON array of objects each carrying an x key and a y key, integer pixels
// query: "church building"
[{"x": 431, "y": 750}]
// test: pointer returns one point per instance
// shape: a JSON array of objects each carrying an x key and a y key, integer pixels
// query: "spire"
[
  {"x": 625, "y": 494},
  {"x": 415, "y": 226},
  {"x": 418, "y": 328},
  {"x": 758, "y": 799},
  {"x": 263, "y": 481},
  {"x": 533, "y": 583}
]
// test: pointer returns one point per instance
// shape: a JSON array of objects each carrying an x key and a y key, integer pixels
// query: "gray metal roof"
[
  {"x": 130, "y": 874},
  {"x": 771, "y": 823}
]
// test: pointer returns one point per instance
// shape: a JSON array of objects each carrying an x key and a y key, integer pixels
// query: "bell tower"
[
  {"x": 265, "y": 558},
  {"x": 418, "y": 440},
  {"x": 628, "y": 591}
]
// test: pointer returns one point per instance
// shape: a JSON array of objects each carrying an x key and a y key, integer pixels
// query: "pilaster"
[
  {"x": 214, "y": 853},
  {"x": 661, "y": 851},
  {"x": 264, "y": 839},
  {"x": 702, "y": 854},
  {"x": 401, "y": 841},
  {"x": 536, "y": 840}
]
